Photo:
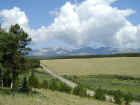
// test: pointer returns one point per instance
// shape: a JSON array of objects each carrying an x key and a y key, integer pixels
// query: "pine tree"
[{"x": 13, "y": 48}]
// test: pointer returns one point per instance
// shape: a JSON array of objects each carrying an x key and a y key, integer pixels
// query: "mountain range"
[{"x": 62, "y": 51}]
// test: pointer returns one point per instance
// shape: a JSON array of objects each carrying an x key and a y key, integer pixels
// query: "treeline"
[{"x": 91, "y": 56}]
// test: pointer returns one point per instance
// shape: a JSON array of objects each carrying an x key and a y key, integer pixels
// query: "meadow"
[
  {"x": 41, "y": 75},
  {"x": 111, "y": 74},
  {"x": 109, "y": 83},
  {"x": 47, "y": 97},
  {"x": 108, "y": 73},
  {"x": 129, "y": 66}
]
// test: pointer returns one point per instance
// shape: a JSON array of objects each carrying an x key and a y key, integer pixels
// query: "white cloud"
[
  {"x": 13, "y": 16},
  {"x": 128, "y": 37},
  {"x": 93, "y": 22}
]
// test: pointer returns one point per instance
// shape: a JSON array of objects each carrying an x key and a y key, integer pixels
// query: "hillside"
[{"x": 48, "y": 97}]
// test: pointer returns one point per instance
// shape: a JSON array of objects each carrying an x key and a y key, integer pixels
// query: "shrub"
[
  {"x": 128, "y": 98},
  {"x": 64, "y": 88},
  {"x": 79, "y": 90},
  {"x": 33, "y": 81},
  {"x": 34, "y": 63},
  {"x": 100, "y": 94},
  {"x": 45, "y": 84},
  {"x": 53, "y": 85},
  {"x": 118, "y": 97}
]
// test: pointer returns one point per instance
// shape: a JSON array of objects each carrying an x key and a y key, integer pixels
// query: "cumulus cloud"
[
  {"x": 93, "y": 22},
  {"x": 13, "y": 16}
]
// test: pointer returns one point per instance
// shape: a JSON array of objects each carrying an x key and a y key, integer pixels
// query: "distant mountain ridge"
[{"x": 62, "y": 51}]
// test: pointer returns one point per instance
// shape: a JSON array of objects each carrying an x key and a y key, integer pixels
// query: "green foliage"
[
  {"x": 53, "y": 85},
  {"x": 73, "y": 78},
  {"x": 6, "y": 78},
  {"x": 25, "y": 86},
  {"x": 13, "y": 48},
  {"x": 123, "y": 77},
  {"x": 33, "y": 81},
  {"x": 128, "y": 98},
  {"x": 95, "y": 56},
  {"x": 79, "y": 90},
  {"x": 100, "y": 94},
  {"x": 110, "y": 83},
  {"x": 45, "y": 84},
  {"x": 64, "y": 88},
  {"x": 57, "y": 85},
  {"x": 34, "y": 63},
  {"x": 25, "y": 83},
  {"x": 118, "y": 97},
  {"x": 0, "y": 72}
]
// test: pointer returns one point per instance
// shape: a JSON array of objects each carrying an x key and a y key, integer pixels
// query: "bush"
[
  {"x": 128, "y": 98},
  {"x": 118, "y": 97},
  {"x": 100, "y": 94},
  {"x": 34, "y": 63},
  {"x": 55, "y": 84},
  {"x": 33, "y": 81},
  {"x": 65, "y": 88},
  {"x": 45, "y": 84},
  {"x": 80, "y": 91},
  {"x": 25, "y": 86}
]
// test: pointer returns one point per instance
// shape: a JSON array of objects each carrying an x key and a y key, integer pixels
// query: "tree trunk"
[
  {"x": 12, "y": 84},
  {"x": 2, "y": 84}
]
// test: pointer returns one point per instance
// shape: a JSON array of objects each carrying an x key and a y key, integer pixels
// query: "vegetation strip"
[
  {"x": 109, "y": 83},
  {"x": 89, "y": 56}
]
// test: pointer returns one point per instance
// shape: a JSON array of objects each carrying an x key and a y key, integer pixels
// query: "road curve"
[
  {"x": 69, "y": 83},
  {"x": 73, "y": 85}
]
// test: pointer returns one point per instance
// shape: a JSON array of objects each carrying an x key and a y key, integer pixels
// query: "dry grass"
[
  {"x": 48, "y": 98},
  {"x": 120, "y": 66}
]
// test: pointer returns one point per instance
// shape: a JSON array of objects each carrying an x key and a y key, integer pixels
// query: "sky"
[{"x": 75, "y": 23}]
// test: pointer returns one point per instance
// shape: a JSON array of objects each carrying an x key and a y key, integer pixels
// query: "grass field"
[
  {"x": 119, "y": 66},
  {"x": 47, "y": 97},
  {"x": 41, "y": 75},
  {"x": 109, "y": 83}
]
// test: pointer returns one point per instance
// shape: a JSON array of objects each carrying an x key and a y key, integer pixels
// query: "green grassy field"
[
  {"x": 92, "y": 73},
  {"x": 101, "y": 72},
  {"x": 109, "y": 82},
  {"x": 48, "y": 97},
  {"x": 41, "y": 75},
  {"x": 112, "y": 66},
  {"x": 45, "y": 97}
]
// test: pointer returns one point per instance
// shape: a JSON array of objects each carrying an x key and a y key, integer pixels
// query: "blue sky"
[
  {"x": 38, "y": 15},
  {"x": 133, "y": 4},
  {"x": 38, "y": 10}
]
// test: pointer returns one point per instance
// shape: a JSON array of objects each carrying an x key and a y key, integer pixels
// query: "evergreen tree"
[
  {"x": 13, "y": 48},
  {"x": 25, "y": 85}
]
